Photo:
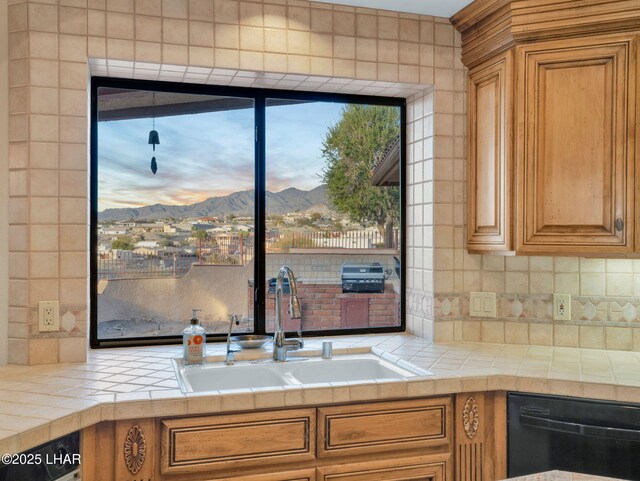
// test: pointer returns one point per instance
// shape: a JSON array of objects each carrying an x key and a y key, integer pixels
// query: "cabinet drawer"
[
  {"x": 298, "y": 475},
  {"x": 389, "y": 426},
  {"x": 218, "y": 443},
  {"x": 421, "y": 468}
]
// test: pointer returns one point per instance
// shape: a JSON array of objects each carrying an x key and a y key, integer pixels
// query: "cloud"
[{"x": 209, "y": 154}]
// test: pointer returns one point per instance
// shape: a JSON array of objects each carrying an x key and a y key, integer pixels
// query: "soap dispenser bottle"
[{"x": 194, "y": 341}]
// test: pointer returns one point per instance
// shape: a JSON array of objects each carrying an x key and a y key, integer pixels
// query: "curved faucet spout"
[{"x": 280, "y": 344}]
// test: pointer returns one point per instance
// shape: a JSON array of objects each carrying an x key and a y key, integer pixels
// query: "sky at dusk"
[{"x": 209, "y": 155}]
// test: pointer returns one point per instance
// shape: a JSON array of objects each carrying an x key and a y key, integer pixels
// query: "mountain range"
[{"x": 238, "y": 203}]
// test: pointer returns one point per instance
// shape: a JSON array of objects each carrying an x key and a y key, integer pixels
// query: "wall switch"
[
  {"x": 482, "y": 304},
  {"x": 49, "y": 316},
  {"x": 562, "y": 307}
]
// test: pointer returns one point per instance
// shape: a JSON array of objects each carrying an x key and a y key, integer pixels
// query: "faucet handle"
[
  {"x": 327, "y": 350},
  {"x": 300, "y": 340}
]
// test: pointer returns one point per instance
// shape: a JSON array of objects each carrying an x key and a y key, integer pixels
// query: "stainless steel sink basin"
[{"x": 295, "y": 372}]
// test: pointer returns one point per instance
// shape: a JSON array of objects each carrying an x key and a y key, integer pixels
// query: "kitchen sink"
[
  {"x": 343, "y": 369},
  {"x": 216, "y": 376}
]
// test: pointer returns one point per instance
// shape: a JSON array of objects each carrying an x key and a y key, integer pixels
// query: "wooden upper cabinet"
[
  {"x": 552, "y": 139},
  {"x": 490, "y": 155},
  {"x": 576, "y": 102}
]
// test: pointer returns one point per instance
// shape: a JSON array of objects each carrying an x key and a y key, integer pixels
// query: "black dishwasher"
[{"x": 584, "y": 436}]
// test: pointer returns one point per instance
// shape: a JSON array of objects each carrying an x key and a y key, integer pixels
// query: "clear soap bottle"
[{"x": 194, "y": 341}]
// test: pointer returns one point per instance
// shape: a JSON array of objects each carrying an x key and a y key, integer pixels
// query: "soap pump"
[{"x": 194, "y": 341}]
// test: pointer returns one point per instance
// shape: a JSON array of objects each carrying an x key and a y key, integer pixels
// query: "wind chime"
[{"x": 154, "y": 138}]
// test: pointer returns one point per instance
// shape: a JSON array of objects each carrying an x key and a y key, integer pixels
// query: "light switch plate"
[
  {"x": 482, "y": 304},
  {"x": 562, "y": 307}
]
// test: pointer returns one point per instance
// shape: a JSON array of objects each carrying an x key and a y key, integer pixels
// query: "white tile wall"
[
  {"x": 290, "y": 44},
  {"x": 4, "y": 187}
]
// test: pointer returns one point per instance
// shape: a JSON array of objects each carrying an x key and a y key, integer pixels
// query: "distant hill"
[{"x": 238, "y": 203}]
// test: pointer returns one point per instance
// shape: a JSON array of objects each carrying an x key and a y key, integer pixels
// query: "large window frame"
[{"x": 260, "y": 97}]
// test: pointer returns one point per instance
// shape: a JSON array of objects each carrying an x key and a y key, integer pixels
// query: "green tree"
[
  {"x": 278, "y": 220},
  {"x": 166, "y": 242},
  {"x": 350, "y": 149},
  {"x": 201, "y": 236},
  {"x": 304, "y": 222},
  {"x": 123, "y": 242},
  {"x": 293, "y": 240}
]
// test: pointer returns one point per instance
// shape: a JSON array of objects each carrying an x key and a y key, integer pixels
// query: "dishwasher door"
[{"x": 591, "y": 437}]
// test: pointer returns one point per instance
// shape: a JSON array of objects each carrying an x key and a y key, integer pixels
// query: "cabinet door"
[
  {"x": 575, "y": 145},
  {"x": 490, "y": 217},
  {"x": 421, "y": 468}
]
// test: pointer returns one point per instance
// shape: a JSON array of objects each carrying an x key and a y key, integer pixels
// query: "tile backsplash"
[
  {"x": 4, "y": 184},
  {"x": 605, "y": 301},
  {"x": 53, "y": 46},
  {"x": 297, "y": 44}
]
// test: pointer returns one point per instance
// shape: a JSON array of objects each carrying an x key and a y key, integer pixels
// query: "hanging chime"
[{"x": 154, "y": 138}]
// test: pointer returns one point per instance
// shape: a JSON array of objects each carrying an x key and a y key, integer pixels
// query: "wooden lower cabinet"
[
  {"x": 383, "y": 427},
  {"x": 443, "y": 438},
  {"x": 232, "y": 442},
  {"x": 120, "y": 451},
  {"x": 298, "y": 475},
  {"x": 420, "y": 468},
  {"x": 480, "y": 450}
]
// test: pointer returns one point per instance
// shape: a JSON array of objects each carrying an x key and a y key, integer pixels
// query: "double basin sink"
[{"x": 294, "y": 372}]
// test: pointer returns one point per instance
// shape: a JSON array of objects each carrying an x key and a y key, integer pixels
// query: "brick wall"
[{"x": 322, "y": 308}]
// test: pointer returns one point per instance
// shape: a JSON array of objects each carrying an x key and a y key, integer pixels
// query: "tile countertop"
[
  {"x": 560, "y": 476},
  {"x": 38, "y": 403}
]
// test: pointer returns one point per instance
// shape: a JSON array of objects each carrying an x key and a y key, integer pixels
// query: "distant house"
[
  {"x": 116, "y": 230},
  {"x": 120, "y": 254},
  {"x": 143, "y": 227},
  {"x": 182, "y": 227},
  {"x": 244, "y": 228},
  {"x": 219, "y": 230},
  {"x": 203, "y": 226},
  {"x": 149, "y": 244},
  {"x": 386, "y": 165}
]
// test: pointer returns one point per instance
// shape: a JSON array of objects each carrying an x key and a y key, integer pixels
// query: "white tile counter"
[
  {"x": 38, "y": 403},
  {"x": 560, "y": 476}
]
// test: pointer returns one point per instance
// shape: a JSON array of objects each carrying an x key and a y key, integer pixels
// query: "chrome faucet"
[
  {"x": 230, "y": 358},
  {"x": 281, "y": 344}
]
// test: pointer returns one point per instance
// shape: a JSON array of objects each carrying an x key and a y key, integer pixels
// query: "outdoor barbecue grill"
[{"x": 362, "y": 277}]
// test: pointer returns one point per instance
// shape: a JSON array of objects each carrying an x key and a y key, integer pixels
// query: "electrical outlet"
[
  {"x": 562, "y": 307},
  {"x": 49, "y": 316}
]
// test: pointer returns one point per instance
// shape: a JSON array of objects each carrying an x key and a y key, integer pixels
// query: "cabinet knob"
[{"x": 619, "y": 224}]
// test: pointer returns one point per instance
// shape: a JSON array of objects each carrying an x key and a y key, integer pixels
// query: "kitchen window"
[{"x": 197, "y": 191}]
